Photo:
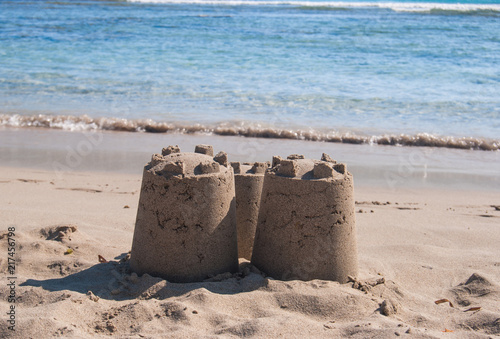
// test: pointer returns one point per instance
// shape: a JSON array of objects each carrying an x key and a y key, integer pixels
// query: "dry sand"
[{"x": 416, "y": 246}]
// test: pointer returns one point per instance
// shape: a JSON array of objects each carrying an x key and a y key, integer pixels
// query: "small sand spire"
[
  {"x": 221, "y": 158},
  {"x": 323, "y": 170},
  {"x": 204, "y": 149},
  {"x": 326, "y": 157},
  {"x": 156, "y": 159},
  {"x": 276, "y": 160},
  {"x": 288, "y": 168},
  {"x": 259, "y": 168},
  {"x": 174, "y": 167},
  {"x": 170, "y": 149},
  {"x": 236, "y": 167},
  {"x": 207, "y": 168}
]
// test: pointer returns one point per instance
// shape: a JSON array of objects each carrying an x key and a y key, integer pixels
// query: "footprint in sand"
[
  {"x": 58, "y": 233},
  {"x": 30, "y": 180},
  {"x": 89, "y": 190}
]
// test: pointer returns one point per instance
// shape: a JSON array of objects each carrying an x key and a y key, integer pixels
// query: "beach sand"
[{"x": 418, "y": 243}]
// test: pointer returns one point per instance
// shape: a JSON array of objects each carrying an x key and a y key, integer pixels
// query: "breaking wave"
[
  {"x": 428, "y": 7},
  {"x": 86, "y": 123}
]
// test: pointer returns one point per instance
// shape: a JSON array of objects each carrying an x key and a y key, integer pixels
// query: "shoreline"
[
  {"x": 372, "y": 165},
  {"x": 251, "y": 129}
]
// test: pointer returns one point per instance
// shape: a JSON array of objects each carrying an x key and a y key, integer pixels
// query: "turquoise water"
[{"x": 361, "y": 68}]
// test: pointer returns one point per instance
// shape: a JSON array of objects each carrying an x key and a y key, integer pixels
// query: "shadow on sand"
[{"x": 114, "y": 281}]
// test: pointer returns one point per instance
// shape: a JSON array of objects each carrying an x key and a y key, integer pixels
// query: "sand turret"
[
  {"x": 186, "y": 220},
  {"x": 248, "y": 182},
  {"x": 306, "y": 226}
]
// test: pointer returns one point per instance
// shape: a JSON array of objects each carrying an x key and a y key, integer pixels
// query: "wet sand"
[{"x": 372, "y": 165}]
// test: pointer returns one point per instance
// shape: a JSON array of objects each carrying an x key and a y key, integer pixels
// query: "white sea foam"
[
  {"x": 254, "y": 130},
  {"x": 396, "y": 6}
]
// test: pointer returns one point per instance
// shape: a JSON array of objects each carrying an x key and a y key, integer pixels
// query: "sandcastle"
[
  {"x": 306, "y": 226},
  {"x": 186, "y": 220},
  {"x": 248, "y": 182},
  {"x": 197, "y": 214}
]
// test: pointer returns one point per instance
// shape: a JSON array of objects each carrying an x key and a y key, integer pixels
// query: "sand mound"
[
  {"x": 58, "y": 233},
  {"x": 73, "y": 297},
  {"x": 474, "y": 289},
  {"x": 478, "y": 299}
]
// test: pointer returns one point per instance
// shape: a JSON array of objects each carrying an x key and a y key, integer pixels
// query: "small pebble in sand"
[
  {"x": 110, "y": 326},
  {"x": 92, "y": 296},
  {"x": 133, "y": 278},
  {"x": 388, "y": 307}
]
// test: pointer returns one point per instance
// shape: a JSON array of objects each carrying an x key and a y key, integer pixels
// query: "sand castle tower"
[
  {"x": 248, "y": 182},
  {"x": 306, "y": 226},
  {"x": 186, "y": 219}
]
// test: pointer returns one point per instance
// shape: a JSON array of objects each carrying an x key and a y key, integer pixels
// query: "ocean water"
[{"x": 400, "y": 72}]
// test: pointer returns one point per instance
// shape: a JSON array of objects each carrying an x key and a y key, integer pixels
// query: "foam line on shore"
[{"x": 255, "y": 130}]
